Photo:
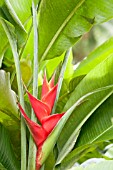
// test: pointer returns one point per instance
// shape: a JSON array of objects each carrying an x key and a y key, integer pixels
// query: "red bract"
[{"x": 42, "y": 109}]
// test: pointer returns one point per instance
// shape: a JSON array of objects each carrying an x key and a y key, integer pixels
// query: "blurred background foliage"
[{"x": 91, "y": 40}]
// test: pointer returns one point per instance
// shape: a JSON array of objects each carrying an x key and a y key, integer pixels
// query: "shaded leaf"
[
  {"x": 9, "y": 116},
  {"x": 74, "y": 82},
  {"x": 99, "y": 127},
  {"x": 7, "y": 156}
]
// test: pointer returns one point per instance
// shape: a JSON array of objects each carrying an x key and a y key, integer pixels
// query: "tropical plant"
[{"x": 36, "y": 36}]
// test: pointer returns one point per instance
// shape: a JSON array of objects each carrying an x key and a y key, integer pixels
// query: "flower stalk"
[
  {"x": 61, "y": 77},
  {"x": 32, "y": 147}
]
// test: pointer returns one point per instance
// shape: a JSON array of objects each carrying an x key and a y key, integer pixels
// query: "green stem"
[
  {"x": 12, "y": 76},
  {"x": 32, "y": 147},
  {"x": 13, "y": 44},
  {"x": 23, "y": 48},
  {"x": 66, "y": 57}
]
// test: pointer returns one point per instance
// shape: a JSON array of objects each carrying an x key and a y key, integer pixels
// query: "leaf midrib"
[
  {"x": 60, "y": 29},
  {"x": 88, "y": 115},
  {"x": 95, "y": 139}
]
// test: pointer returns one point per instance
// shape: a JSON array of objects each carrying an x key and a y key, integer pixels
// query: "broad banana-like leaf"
[
  {"x": 8, "y": 160},
  {"x": 13, "y": 13},
  {"x": 100, "y": 126},
  {"x": 94, "y": 58},
  {"x": 17, "y": 13},
  {"x": 20, "y": 10},
  {"x": 100, "y": 76},
  {"x": 97, "y": 129},
  {"x": 18, "y": 29},
  {"x": 62, "y": 23},
  {"x": 52, "y": 138}
]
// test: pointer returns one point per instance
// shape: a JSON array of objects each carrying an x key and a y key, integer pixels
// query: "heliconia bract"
[{"x": 42, "y": 109}]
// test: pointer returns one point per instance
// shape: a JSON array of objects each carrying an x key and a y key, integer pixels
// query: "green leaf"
[
  {"x": 8, "y": 60},
  {"x": 53, "y": 64},
  {"x": 1, "y": 2},
  {"x": 69, "y": 68},
  {"x": 7, "y": 97},
  {"x": 66, "y": 21},
  {"x": 13, "y": 43},
  {"x": 96, "y": 57},
  {"x": 7, "y": 157},
  {"x": 20, "y": 10},
  {"x": 36, "y": 2},
  {"x": 102, "y": 129},
  {"x": 2, "y": 167},
  {"x": 28, "y": 50},
  {"x": 26, "y": 71},
  {"x": 68, "y": 146},
  {"x": 3, "y": 43},
  {"x": 50, "y": 162},
  {"x": 18, "y": 13},
  {"x": 98, "y": 128},
  {"x": 9, "y": 116},
  {"x": 51, "y": 140},
  {"x": 74, "y": 82},
  {"x": 19, "y": 32},
  {"x": 13, "y": 13},
  {"x": 99, "y": 77}
]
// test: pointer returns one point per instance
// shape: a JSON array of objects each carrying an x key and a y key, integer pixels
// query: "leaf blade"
[
  {"x": 72, "y": 26},
  {"x": 7, "y": 157}
]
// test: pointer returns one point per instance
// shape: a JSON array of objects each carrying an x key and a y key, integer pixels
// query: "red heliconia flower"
[{"x": 42, "y": 109}]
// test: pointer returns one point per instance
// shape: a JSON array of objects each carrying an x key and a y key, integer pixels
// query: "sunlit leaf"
[
  {"x": 20, "y": 10},
  {"x": 94, "y": 58},
  {"x": 52, "y": 138},
  {"x": 7, "y": 97},
  {"x": 100, "y": 76},
  {"x": 3, "y": 43},
  {"x": 62, "y": 23}
]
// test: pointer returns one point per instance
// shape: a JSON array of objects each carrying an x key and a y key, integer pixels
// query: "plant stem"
[
  {"x": 13, "y": 44},
  {"x": 21, "y": 96},
  {"x": 66, "y": 57},
  {"x": 28, "y": 35},
  {"x": 32, "y": 147}
]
